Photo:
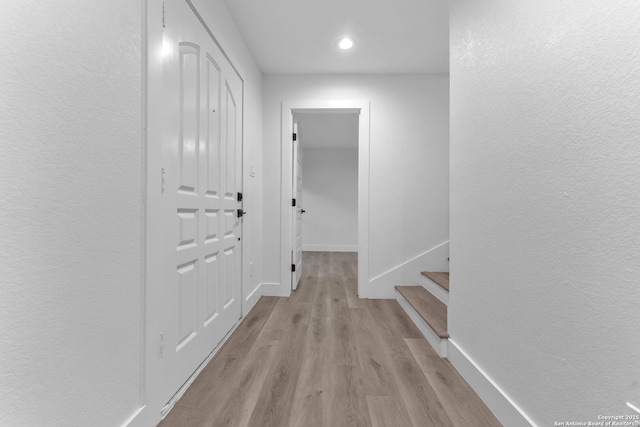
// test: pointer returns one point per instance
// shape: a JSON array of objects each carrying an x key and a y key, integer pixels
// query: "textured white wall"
[
  {"x": 409, "y": 133},
  {"x": 545, "y": 201},
  {"x": 71, "y": 214},
  {"x": 330, "y": 198}
]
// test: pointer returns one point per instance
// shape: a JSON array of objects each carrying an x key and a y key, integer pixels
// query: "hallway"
[{"x": 323, "y": 357}]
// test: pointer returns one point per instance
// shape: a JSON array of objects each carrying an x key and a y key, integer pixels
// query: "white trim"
[
  {"x": 197, "y": 6},
  {"x": 169, "y": 406},
  {"x": 435, "y": 259},
  {"x": 251, "y": 300},
  {"x": 153, "y": 300},
  {"x": 363, "y": 199},
  {"x": 503, "y": 407},
  {"x": 436, "y": 290},
  {"x": 137, "y": 419},
  {"x": 348, "y": 106},
  {"x": 438, "y": 344},
  {"x": 632, "y": 406},
  {"x": 330, "y": 248},
  {"x": 275, "y": 290}
]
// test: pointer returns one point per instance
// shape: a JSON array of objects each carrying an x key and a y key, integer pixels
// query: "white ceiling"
[
  {"x": 299, "y": 36},
  {"x": 328, "y": 130}
]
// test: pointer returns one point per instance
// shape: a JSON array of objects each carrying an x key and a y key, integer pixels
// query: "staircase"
[{"x": 426, "y": 306}]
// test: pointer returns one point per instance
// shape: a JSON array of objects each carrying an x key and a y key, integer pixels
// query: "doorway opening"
[
  {"x": 353, "y": 116},
  {"x": 325, "y": 184}
]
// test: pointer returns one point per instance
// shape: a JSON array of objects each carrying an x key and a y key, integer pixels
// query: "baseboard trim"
[
  {"x": 502, "y": 406},
  {"x": 275, "y": 290},
  {"x": 330, "y": 248},
  {"x": 169, "y": 406},
  {"x": 137, "y": 419},
  {"x": 438, "y": 344},
  {"x": 634, "y": 407},
  {"x": 251, "y": 300}
]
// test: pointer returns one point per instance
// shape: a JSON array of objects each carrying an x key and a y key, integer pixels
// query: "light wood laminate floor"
[{"x": 323, "y": 357}]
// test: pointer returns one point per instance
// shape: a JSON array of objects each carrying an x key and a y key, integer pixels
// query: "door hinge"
[
  {"x": 164, "y": 22},
  {"x": 295, "y": 136},
  {"x": 293, "y": 268},
  {"x": 161, "y": 344},
  {"x": 239, "y": 196},
  {"x": 293, "y": 202}
]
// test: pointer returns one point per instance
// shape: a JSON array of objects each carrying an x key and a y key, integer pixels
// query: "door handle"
[
  {"x": 302, "y": 211},
  {"x": 241, "y": 213}
]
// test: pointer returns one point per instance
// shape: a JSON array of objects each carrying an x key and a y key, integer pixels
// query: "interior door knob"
[{"x": 302, "y": 211}]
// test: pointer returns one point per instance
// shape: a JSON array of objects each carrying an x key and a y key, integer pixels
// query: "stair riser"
[{"x": 435, "y": 289}]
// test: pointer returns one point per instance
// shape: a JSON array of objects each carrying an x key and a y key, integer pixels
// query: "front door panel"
[{"x": 202, "y": 156}]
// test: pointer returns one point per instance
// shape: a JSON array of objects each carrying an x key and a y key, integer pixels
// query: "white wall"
[
  {"x": 71, "y": 181},
  {"x": 545, "y": 224},
  {"x": 221, "y": 23},
  {"x": 409, "y": 204},
  {"x": 330, "y": 198},
  {"x": 71, "y": 156}
]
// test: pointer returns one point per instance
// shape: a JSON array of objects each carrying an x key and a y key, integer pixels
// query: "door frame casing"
[
  {"x": 297, "y": 171},
  {"x": 150, "y": 316},
  {"x": 362, "y": 108}
]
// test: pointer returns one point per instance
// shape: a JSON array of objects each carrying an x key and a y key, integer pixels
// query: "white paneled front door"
[{"x": 202, "y": 165}]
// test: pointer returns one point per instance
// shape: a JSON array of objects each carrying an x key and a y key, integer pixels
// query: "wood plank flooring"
[{"x": 323, "y": 357}]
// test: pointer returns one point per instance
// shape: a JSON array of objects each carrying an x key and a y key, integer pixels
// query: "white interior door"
[
  {"x": 202, "y": 165},
  {"x": 296, "y": 258}
]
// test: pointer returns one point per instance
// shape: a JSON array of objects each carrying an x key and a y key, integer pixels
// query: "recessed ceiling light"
[{"x": 345, "y": 43}]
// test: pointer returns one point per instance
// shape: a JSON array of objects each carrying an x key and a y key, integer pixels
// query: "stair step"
[
  {"x": 436, "y": 282},
  {"x": 430, "y": 309},
  {"x": 428, "y": 314},
  {"x": 440, "y": 277}
]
